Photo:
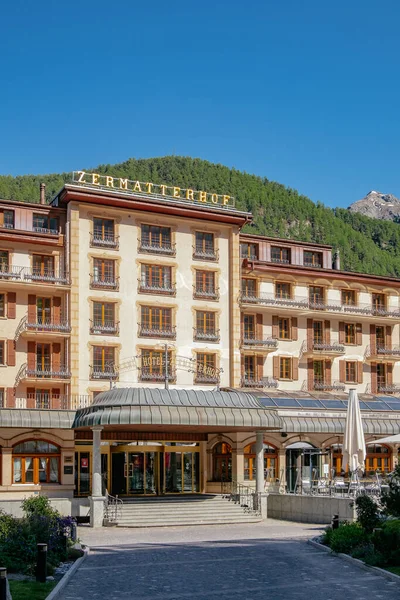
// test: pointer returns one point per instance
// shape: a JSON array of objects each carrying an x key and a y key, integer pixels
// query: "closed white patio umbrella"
[
  {"x": 391, "y": 439},
  {"x": 354, "y": 452}
]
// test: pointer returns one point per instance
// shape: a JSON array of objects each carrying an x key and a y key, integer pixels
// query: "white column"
[
  {"x": 96, "y": 461},
  {"x": 259, "y": 461}
]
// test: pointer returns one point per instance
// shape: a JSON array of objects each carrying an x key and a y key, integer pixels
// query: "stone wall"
[{"x": 310, "y": 509}]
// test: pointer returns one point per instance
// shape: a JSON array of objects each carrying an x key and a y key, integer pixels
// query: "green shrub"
[
  {"x": 7, "y": 524},
  {"x": 347, "y": 537},
  {"x": 367, "y": 513},
  {"x": 391, "y": 499},
  {"x": 387, "y": 542},
  {"x": 327, "y": 537},
  {"x": 39, "y": 505}
]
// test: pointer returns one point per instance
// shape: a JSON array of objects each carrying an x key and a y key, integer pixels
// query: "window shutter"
[
  {"x": 10, "y": 398},
  {"x": 295, "y": 369},
  {"x": 342, "y": 371},
  {"x": 327, "y": 332},
  {"x": 309, "y": 334},
  {"x": 57, "y": 310},
  {"x": 56, "y": 358},
  {"x": 372, "y": 338},
  {"x": 260, "y": 367},
  {"x": 30, "y": 397},
  {"x": 259, "y": 327},
  {"x": 31, "y": 356},
  {"x": 31, "y": 308},
  {"x": 241, "y": 325},
  {"x": 11, "y": 305},
  {"x": 374, "y": 379},
  {"x": 275, "y": 327},
  {"x": 341, "y": 333},
  {"x": 389, "y": 337},
  {"x": 389, "y": 374},
  {"x": 295, "y": 334},
  {"x": 310, "y": 374},
  {"x": 359, "y": 334},
  {"x": 276, "y": 367},
  {"x": 55, "y": 398},
  {"x": 11, "y": 358},
  {"x": 328, "y": 372},
  {"x": 359, "y": 372},
  {"x": 1, "y": 218}
]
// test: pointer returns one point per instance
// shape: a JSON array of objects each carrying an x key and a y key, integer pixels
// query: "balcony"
[
  {"x": 10, "y": 272},
  {"x": 106, "y": 372},
  {"x": 280, "y": 261},
  {"x": 313, "y": 265},
  {"x": 319, "y": 348},
  {"x": 264, "y": 382},
  {"x": 248, "y": 256},
  {"x": 321, "y": 385},
  {"x": 320, "y": 304},
  {"x": 145, "y": 287},
  {"x": 250, "y": 341},
  {"x": 45, "y": 276},
  {"x": 263, "y": 298},
  {"x": 148, "y": 247},
  {"x": 104, "y": 240},
  {"x": 48, "y": 326},
  {"x": 44, "y": 402},
  {"x": 203, "y": 378},
  {"x": 205, "y": 254},
  {"x": 104, "y": 283},
  {"x": 156, "y": 332},
  {"x": 382, "y": 353},
  {"x": 104, "y": 328},
  {"x": 146, "y": 375},
  {"x": 44, "y": 230},
  {"x": 210, "y": 293},
  {"x": 388, "y": 388},
  {"x": 206, "y": 335},
  {"x": 49, "y": 372}
]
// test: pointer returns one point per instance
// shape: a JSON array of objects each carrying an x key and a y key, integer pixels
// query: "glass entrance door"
[
  {"x": 181, "y": 472},
  {"x": 141, "y": 472}
]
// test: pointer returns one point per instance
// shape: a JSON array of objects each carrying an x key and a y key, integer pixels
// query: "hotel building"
[{"x": 257, "y": 340}]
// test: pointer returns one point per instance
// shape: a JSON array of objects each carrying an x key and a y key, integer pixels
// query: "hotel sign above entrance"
[{"x": 152, "y": 190}]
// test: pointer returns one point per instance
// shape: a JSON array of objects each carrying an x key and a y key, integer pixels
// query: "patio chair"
[
  {"x": 306, "y": 485},
  {"x": 339, "y": 485},
  {"x": 323, "y": 486}
]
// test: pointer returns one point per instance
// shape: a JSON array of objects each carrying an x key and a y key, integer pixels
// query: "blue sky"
[{"x": 303, "y": 92}]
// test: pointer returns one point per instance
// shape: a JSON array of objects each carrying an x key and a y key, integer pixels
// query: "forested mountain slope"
[{"x": 366, "y": 245}]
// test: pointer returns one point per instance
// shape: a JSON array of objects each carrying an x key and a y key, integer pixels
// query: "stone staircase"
[{"x": 175, "y": 511}]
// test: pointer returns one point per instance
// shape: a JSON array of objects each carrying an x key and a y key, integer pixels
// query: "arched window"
[
  {"x": 36, "y": 461},
  {"x": 379, "y": 458},
  {"x": 270, "y": 462},
  {"x": 222, "y": 462}
]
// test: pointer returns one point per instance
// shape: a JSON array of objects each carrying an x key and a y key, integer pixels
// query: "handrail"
[
  {"x": 245, "y": 496},
  {"x": 112, "y": 507}
]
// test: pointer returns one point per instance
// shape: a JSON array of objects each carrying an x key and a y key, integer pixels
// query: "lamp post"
[
  {"x": 165, "y": 348},
  {"x": 110, "y": 366}
]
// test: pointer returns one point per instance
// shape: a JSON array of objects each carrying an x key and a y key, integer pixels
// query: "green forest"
[{"x": 366, "y": 245}]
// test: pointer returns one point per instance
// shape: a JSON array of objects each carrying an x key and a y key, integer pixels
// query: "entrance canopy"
[{"x": 146, "y": 408}]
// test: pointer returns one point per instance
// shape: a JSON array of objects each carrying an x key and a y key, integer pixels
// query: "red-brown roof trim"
[{"x": 263, "y": 238}]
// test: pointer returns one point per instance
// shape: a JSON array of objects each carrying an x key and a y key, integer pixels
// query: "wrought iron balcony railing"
[
  {"x": 151, "y": 288},
  {"x": 104, "y": 327},
  {"x": 250, "y": 297},
  {"x": 322, "y": 385},
  {"x": 40, "y": 372},
  {"x": 244, "y": 255},
  {"x": 48, "y": 325},
  {"x": 387, "y": 351},
  {"x": 280, "y": 261},
  {"x": 252, "y": 382},
  {"x": 45, "y": 230},
  {"x": 45, "y": 276},
  {"x": 206, "y": 293},
  {"x": 150, "y": 247},
  {"x": 156, "y": 332},
  {"x": 146, "y": 375},
  {"x": 253, "y": 340},
  {"x": 104, "y": 283},
  {"x": 99, "y": 372},
  {"x": 205, "y": 253},
  {"x": 202, "y": 378},
  {"x": 388, "y": 388},
  {"x": 10, "y": 271},
  {"x": 206, "y": 335},
  {"x": 104, "y": 240},
  {"x": 314, "y": 265}
]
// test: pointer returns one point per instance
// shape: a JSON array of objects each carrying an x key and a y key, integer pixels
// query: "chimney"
[
  {"x": 42, "y": 193},
  {"x": 336, "y": 261}
]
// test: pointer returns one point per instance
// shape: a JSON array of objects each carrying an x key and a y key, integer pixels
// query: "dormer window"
[
  {"x": 313, "y": 259},
  {"x": 7, "y": 219},
  {"x": 280, "y": 255},
  {"x": 249, "y": 251}
]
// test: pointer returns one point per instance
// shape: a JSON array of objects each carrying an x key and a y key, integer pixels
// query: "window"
[
  {"x": 249, "y": 327},
  {"x": 156, "y": 278},
  {"x": 45, "y": 224},
  {"x": 156, "y": 239},
  {"x": 351, "y": 371},
  {"x": 283, "y": 328},
  {"x": 155, "y": 321},
  {"x": 43, "y": 359},
  {"x": 249, "y": 288},
  {"x": 41, "y": 398},
  {"x": 381, "y": 375},
  {"x": 380, "y": 336},
  {"x": 36, "y": 461},
  {"x": 103, "y": 233},
  {"x": 2, "y": 305},
  {"x": 205, "y": 285},
  {"x": 379, "y": 301},
  {"x": 103, "y": 318},
  {"x": 153, "y": 365},
  {"x": 4, "y": 261},
  {"x": 249, "y": 368},
  {"x": 222, "y": 462},
  {"x": 312, "y": 259},
  {"x": 249, "y": 251},
  {"x": 270, "y": 462},
  {"x": 2, "y": 352},
  {"x": 379, "y": 458},
  {"x": 283, "y": 291},
  {"x": 43, "y": 265},
  {"x": 280, "y": 254},
  {"x": 206, "y": 371},
  {"x": 2, "y": 398},
  {"x": 103, "y": 362},
  {"x": 7, "y": 219},
  {"x": 204, "y": 247},
  {"x": 318, "y": 332},
  {"x": 349, "y": 297},
  {"x": 349, "y": 333},
  {"x": 285, "y": 367},
  {"x": 316, "y": 296},
  {"x": 205, "y": 322},
  {"x": 43, "y": 311},
  {"x": 104, "y": 273},
  {"x": 319, "y": 372}
]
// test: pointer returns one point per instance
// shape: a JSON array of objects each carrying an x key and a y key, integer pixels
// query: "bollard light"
[
  {"x": 41, "y": 564},
  {"x": 3, "y": 583},
  {"x": 335, "y": 522}
]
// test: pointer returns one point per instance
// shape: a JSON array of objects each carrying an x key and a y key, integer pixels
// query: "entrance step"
[{"x": 174, "y": 511}]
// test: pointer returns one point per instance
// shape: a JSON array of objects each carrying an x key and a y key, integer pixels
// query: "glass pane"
[
  {"x": 173, "y": 472},
  {"x": 84, "y": 472},
  {"x": 136, "y": 473},
  {"x": 196, "y": 472},
  {"x": 29, "y": 470},
  {"x": 150, "y": 484},
  {"x": 187, "y": 471},
  {"x": 54, "y": 470},
  {"x": 42, "y": 470},
  {"x": 17, "y": 470}
]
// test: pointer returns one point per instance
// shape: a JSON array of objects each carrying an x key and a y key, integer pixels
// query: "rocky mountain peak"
[{"x": 378, "y": 206}]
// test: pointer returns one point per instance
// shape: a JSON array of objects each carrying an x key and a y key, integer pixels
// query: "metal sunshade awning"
[
  {"x": 39, "y": 418},
  {"x": 336, "y": 425}
]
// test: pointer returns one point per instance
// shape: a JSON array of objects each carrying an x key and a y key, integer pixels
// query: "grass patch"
[
  {"x": 31, "y": 590},
  {"x": 395, "y": 570}
]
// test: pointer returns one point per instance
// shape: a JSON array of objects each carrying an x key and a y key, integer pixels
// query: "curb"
[
  {"x": 357, "y": 562},
  {"x": 64, "y": 580}
]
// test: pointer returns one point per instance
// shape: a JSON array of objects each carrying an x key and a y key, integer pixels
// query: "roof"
[
  {"x": 197, "y": 408},
  {"x": 47, "y": 419},
  {"x": 336, "y": 424}
]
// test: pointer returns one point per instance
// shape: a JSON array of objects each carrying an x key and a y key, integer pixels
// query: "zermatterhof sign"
[{"x": 152, "y": 190}]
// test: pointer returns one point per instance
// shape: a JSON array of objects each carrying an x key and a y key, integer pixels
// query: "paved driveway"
[{"x": 259, "y": 561}]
